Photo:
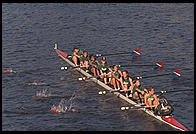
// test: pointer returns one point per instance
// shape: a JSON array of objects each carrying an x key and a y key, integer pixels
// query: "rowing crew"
[{"x": 117, "y": 78}]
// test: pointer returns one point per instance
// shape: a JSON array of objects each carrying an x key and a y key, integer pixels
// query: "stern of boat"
[{"x": 55, "y": 46}]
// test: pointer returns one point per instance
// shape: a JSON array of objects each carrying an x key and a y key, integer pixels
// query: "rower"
[
  {"x": 84, "y": 60},
  {"x": 164, "y": 108},
  {"x": 93, "y": 65},
  {"x": 150, "y": 99},
  {"x": 104, "y": 70},
  {"x": 116, "y": 74},
  {"x": 126, "y": 82},
  {"x": 139, "y": 91},
  {"x": 77, "y": 53}
]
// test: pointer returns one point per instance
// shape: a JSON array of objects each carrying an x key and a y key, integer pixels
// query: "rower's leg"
[
  {"x": 94, "y": 71},
  {"x": 109, "y": 75},
  {"x": 105, "y": 80},
  {"x": 75, "y": 60},
  {"x": 130, "y": 92},
  {"x": 141, "y": 98},
  {"x": 147, "y": 103},
  {"x": 98, "y": 72},
  {"x": 155, "y": 103},
  {"x": 86, "y": 64},
  {"x": 81, "y": 64},
  {"x": 125, "y": 89},
  {"x": 113, "y": 83},
  {"x": 150, "y": 103},
  {"x": 118, "y": 84},
  {"x": 135, "y": 95},
  {"x": 126, "y": 93}
]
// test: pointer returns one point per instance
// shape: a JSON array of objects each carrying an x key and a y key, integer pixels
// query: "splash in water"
[
  {"x": 64, "y": 106},
  {"x": 43, "y": 93},
  {"x": 34, "y": 84}
]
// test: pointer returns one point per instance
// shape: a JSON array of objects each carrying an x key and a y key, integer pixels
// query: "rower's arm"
[
  {"x": 101, "y": 71},
  {"x": 97, "y": 62},
  {"x": 145, "y": 90},
  {"x": 137, "y": 89},
  {"x": 121, "y": 82},
  {"x": 115, "y": 77},
  {"x": 110, "y": 69},
  {"x": 90, "y": 63},
  {"x": 155, "y": 96},
  {"x": 76, "y": 55},
  {"x": 81, "y": 62},
  {"x": 145, "y": 98},
  {"x": 120, "y": 72},
  {"x": 130, "y": 81}
]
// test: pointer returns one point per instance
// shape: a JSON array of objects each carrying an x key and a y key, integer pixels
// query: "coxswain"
[
  {"x": 150, "y": 99},
  {"x": 164, "y": 108},
  {"x": 93, "y": 66},
  {"x": 84, "y": 60},
  {"x": 105, "y": 70},
  {"x": 116, "y": 75},
  {"x": 77, "y": 53},
  {"x": 139, "y": 91},
  {"x": 126, "y": 82}
]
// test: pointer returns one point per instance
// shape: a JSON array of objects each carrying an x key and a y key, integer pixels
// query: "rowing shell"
[{"x": 166, "y": 119}]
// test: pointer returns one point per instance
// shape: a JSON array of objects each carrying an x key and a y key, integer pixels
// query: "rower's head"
[
  {"x": 85, "y": 53},
  {"x": 115, "y": 67},
  {"x": 103, "y": 58},
  {"x": 125, "y": 73},
  {"x": 76, "y": 49},
  {"x": 103, "y": 61},
  {"x": 92, "y": 58},
  {"x": 137, "y": 82},
  {"x": 151, "y": 90}
]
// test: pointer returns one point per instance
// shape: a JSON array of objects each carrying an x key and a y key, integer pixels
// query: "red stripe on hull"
[
  {"x": 174, "y": 122},
  {"x": 62, "y": 53}
]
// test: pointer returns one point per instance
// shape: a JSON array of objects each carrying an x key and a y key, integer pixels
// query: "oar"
[
  {"x": 156, "y": 65},
  {"x": 135, "y": 52},
  {"x": 136, "y": 106},
  {"x": 104, "y": 92},
  {"x": 176, "y": 74},
  {"x": 87, "y": 78},
  {"x": 169, "y": 91},
  {"x": 7, "y": 71}
]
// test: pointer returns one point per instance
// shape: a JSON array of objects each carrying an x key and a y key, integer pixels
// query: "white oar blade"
[
  {"x": 100, "y": 92},
  {"x": 80, "y": 79},
  {"x": 62, "y": 68}
]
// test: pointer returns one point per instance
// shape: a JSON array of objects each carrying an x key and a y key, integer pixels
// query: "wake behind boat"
[{"x": 170, "y": 120}]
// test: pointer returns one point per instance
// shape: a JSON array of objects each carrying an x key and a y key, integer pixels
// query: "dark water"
[{"x": 163, "y": 32}]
